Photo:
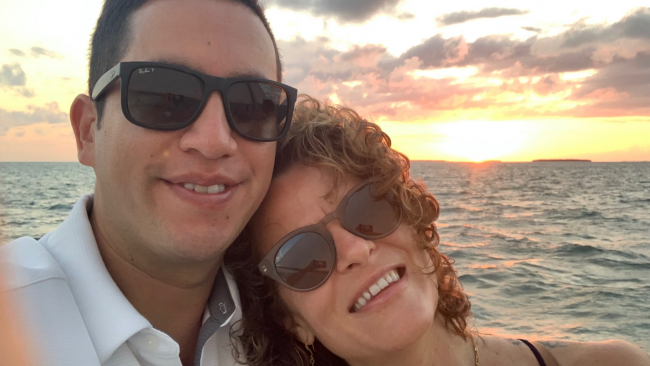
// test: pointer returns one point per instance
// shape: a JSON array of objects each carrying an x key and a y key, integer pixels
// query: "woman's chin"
[{"x": 382, "y": 337}]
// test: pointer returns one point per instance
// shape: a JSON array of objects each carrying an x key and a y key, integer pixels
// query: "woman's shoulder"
[
  {"x": 607, "y": 353},
  {"x": 496, "y": 350}
]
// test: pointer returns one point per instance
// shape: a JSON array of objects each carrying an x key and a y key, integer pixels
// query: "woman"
[{"x": 339, "y": 265}]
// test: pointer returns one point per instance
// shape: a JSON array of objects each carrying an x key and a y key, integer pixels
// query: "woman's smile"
[{"x": 380, "y": 291}]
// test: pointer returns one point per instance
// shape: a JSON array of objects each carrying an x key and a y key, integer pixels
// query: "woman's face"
[{"x": 391, "y": 320}]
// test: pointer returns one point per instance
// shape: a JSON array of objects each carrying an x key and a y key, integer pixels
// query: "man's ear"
[{"x": 83, "y": 117}]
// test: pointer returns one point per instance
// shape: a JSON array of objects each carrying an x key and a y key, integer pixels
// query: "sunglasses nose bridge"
[
  {"x": 351, "y": 250},
  {"x": 214, "y": 84},
  {"x": 210, "y": 133}
]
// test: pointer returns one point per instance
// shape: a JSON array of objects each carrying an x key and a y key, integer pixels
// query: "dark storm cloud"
[
  {"x": 354, "y": 11},
  {"x": 466, "y": 16},
  {"x": 49, "y": 113},
  {"x": 635, "y": 25},
  {"x": 37, "y": 52},
  {"x": 17, "y": 52}
]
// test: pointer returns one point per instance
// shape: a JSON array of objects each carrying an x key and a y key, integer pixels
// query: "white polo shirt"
[{"x": 77, "y": 316}]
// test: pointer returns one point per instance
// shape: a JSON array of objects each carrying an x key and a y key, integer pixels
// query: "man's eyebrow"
[{"x": 234, "y": 74}]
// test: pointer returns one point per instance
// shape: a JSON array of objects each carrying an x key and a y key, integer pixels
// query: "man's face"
[{"x": 142, "y": 207}]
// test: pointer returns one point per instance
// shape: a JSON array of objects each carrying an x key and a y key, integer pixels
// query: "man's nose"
[
  {"x": 210, "y": 134},
  {"x": 351, "y": 251}
]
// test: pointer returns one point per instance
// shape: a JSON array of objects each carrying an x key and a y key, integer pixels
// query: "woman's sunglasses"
[
  {"x": 305, "y": 258},
  {"x": 168, "y": 97}
]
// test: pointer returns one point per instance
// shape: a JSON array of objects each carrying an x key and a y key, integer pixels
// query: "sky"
[{"x": 462, "y": 80}]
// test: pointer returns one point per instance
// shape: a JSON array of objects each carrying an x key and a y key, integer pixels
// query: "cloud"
[
  {"x": 12, "y": 75},
  {"x": 466, "y": 16},
  {"x": 25, "y": 92},
  {"x": 636, "y": 25},
  {"x": 495, "y": 76},
  {"x": 618, "y": 90},
  {"x": 49, "y": 113},
  {"x": 353, "y": 11},
  {"x": 17, "y": 52},
  {"x": 532, "y": 29},
  {"x": 37, "y": 52},
  {"x": 406, "y": 16}
]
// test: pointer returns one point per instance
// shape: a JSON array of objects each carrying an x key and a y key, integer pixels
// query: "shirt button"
[{"x": 151, "y": 343}]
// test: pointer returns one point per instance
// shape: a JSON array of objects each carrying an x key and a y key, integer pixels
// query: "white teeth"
[
  {"x": 374, "y": 290},
  {"x": 394, "y": 275},
  {"x": 383, "y": 283},
  {"x": 390, "y": 277},
  {"x": 217, "y": 188}
]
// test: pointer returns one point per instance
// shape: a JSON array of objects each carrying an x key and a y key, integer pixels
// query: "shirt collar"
[
  {"x": 220, "y": 310},
  {"x": 109, "y": 317}
]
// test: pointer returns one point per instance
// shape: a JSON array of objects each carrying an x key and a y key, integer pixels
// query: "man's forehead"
[
  {"x": 242, "y": 71},
  {"x": 216, "y": 37}
]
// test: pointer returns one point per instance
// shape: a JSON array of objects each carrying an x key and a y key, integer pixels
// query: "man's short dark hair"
[{"x": 111, "y": 39}]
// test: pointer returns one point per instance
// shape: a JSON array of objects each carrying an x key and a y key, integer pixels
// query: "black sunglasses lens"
[
  {"x": 304, "y": 261},
  {"x": 259, "y": 110},
  {"x": 162, "y": 98},
  {"x": 370, "y": 217}
]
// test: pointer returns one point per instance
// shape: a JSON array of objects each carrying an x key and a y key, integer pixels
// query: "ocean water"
[{"x": 545, "y": 250}]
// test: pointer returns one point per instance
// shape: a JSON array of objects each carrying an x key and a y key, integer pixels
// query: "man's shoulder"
[
  {"x": 25, "y": 261},
  {"x": 49, "y": 312}
]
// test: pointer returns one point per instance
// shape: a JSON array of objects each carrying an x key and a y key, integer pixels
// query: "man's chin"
[{"x": 198, "y": 246}]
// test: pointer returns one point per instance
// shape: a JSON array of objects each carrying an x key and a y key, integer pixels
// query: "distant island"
[{"x": 560, "y": 160}]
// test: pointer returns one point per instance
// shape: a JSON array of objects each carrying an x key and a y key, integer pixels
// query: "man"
[{"x": 179, "y": 128}]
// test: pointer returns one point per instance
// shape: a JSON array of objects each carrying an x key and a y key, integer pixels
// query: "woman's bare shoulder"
[
  {"x": 497, "y": 350},
  {"x": 608, "y": 353}
]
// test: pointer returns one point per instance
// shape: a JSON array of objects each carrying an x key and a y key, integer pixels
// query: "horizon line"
[{"x": 412, "y": 160}]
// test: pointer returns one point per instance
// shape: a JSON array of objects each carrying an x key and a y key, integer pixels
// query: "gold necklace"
[{"x": 476, "y": 360}]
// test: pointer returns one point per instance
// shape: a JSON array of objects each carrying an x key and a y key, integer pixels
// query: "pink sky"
[{"x": 457, "y": 81}]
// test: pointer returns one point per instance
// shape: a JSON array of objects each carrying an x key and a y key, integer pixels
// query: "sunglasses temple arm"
[
  {"x": 110, "y": 76},
  {"x": 329, "y": 217}
]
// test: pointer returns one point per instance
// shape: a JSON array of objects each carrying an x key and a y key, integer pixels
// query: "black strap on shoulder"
[{"x": 538, "y": 356}]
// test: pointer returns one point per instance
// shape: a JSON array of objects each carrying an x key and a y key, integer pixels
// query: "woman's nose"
[{"x": 351, "y": 251}]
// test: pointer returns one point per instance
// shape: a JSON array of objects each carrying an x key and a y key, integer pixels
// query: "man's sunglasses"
[
  {"x": 168, "y": 97},
  {"x": 305, "y": 258}
]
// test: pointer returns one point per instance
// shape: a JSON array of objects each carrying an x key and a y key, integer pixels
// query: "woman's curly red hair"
[{"x": 339, "y": 141}]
